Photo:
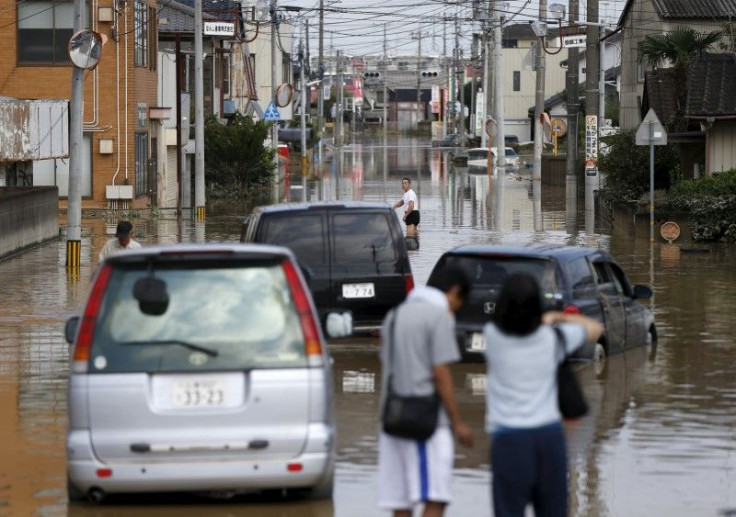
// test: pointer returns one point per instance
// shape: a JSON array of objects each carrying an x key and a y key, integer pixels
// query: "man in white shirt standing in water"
[{"x": 411, "y": 215}]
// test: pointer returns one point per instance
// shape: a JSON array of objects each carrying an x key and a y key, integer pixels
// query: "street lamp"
[{"x": 557, "y": 11}]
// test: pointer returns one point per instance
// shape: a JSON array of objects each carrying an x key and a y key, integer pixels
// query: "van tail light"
[
  {"x": 571, "y": 309},
  {"x": 87, "y": 324},
  {"x": 408, "y": 282},
  {"x": 313, "y": 346}
]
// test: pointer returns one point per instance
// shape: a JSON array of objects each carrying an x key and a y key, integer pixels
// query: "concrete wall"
[{"x": 28, "y": 216}]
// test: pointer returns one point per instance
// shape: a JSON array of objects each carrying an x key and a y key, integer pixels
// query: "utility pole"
[
  {"x": 473, "y": 57},
  {"x": 573, "y": 103},
  {"x": 446, "y": 82},
  {"x": 602, "y": 78},
  {"x": 74, "y": 194},
  {"x": 419, "y": 75},
  {"x": 499, "y": 93},
  {"x": 591, "y": 115},
  {"x": 338, "y": 110},
  {"x": 198, "y": 113},
  {"x": 385, "y": 88},
  {"x": 321, "y": 75},
  {"x": 486, "y": 80},
  {"x": 461, "y": 73},
  {"x": 302, "y": 80},
  {"x": 274, "y": 125},
  {"x": 541, "y": 62},
  {"x": 453, "y": 99}
]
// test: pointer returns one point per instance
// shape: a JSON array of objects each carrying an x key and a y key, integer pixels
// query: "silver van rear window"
[{"x": 217, "y": 318}]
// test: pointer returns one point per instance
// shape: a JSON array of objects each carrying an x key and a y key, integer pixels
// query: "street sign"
[
  {"x": 576, "y": 41},
  {"x": 271, "y": 114},
  {"x": 670, "y": 231},
  {"x": 219, "y": 29},
  {"x": 657, "y": 132}
]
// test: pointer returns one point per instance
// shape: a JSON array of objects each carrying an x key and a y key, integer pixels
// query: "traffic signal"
[
  {"x": 372, "y": 75},
  {"x": 429, "y": 74}
]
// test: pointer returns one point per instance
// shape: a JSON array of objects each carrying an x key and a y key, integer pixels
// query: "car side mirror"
[
  {"x": 339, "y": 324},
  {"x": 642, "y": 292},
  {"x": 70, "y": 329}
]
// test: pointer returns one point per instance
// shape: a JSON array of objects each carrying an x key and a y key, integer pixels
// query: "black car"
[
  {"x": 574, "y": 280},
  {"x": 353, "y": 254}
]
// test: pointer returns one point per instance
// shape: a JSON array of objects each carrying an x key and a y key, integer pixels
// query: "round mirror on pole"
[{"x": 85, "y": 49}]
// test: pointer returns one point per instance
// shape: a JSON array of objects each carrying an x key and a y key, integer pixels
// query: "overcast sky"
[{"x": 356, "y": 26}]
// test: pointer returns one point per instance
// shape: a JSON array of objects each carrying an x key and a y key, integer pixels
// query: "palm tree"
[{"x": 679, "y": 48}]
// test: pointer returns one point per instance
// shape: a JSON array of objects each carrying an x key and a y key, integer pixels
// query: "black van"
[{"x": 353, "y": 254}]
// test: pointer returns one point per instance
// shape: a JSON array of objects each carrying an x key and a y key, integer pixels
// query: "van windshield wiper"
[{"x": 210, "y": 352}]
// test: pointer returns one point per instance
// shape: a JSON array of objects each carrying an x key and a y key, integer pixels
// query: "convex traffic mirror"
[{"x": 85, "y": 49}]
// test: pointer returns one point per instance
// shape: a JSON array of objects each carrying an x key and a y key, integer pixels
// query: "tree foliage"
[
  {"x": 236, "y": 161},
  {"x": 626, "y": 166},
  {"x": 679, "y": 47}
]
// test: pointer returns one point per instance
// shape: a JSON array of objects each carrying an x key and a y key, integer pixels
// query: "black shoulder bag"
[
  {"x": 569, "y": 395},
  {"x": 413, "y": 417}
]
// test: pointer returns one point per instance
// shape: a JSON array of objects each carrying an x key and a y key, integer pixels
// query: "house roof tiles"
[
  {"x": 687, "y": 9},
  {"x": 695, "y": 8},
  {"x": 661, "y": 94},
  {"x": 712, "y": 82}
]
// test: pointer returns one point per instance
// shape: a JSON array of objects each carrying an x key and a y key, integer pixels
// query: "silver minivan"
[{"x": 200, "y": 368}]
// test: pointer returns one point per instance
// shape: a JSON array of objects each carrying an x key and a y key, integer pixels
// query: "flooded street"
[{"x": 661, "y": 436}]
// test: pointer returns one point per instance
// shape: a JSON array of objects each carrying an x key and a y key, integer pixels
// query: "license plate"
[
  {"x": 477, "y": 343},
  {"x": 366, "y": 290},
  {"x": 198, "y": 393},
  {"x": 176, "y": 391}
]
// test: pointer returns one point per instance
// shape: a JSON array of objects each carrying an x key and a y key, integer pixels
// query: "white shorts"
[{"x": 410, "y": 471}]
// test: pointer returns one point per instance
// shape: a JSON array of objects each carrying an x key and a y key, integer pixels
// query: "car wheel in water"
[
  {"x": 599, "y": 352},
  {"x": 74, "y": 494},
  {"x": 652, "y": 335},
  {"x": 599, "y": 358},
  {"x": 324, "y": 489}
]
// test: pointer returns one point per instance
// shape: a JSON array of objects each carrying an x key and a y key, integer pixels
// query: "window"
[
  {"x": 140, "y": 33},
  {"x": 362, "y": 238},
  {"x": 509, "y": 43},
  {"x": 581, "y": 278},
  {"x": 222, "y": 72},
  {"x": 517, "y": 81},
  {"x": 141, "y": 164},
  {"x": 152, "y": 39},
  {"x": 640, "y": 69},
  {"x": 619, "y": 278},
  {"x": 44, "y": 30},
  {"x": 304, "y": 235},
  {"x": 242, "y": 311}
]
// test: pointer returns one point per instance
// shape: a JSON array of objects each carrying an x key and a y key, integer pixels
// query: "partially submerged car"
[{"x": 574, "y": 280}]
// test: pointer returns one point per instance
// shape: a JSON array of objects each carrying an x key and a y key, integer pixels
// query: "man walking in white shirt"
[
  {"x": 411, "y": 214},
  {"x": 122, "y": 240}
]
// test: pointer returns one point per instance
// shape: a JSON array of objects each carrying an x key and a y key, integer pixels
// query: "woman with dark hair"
[{"x": 528, "y": 457}]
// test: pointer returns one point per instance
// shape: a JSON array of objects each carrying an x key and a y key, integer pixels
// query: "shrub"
[
  {"x": 236, "y": 161},
  {"x": 626, "y": 167},
  {"x": 712, "y": 205}
]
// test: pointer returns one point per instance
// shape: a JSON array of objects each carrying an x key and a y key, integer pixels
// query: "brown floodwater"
[{"x": 661, "y": 436}]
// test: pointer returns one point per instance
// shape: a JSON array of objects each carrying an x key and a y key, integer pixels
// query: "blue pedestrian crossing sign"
[{"x": 271, "y": 114}]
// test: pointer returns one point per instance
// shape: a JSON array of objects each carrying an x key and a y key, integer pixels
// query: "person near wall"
[{"x": 121, "y": 241}]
